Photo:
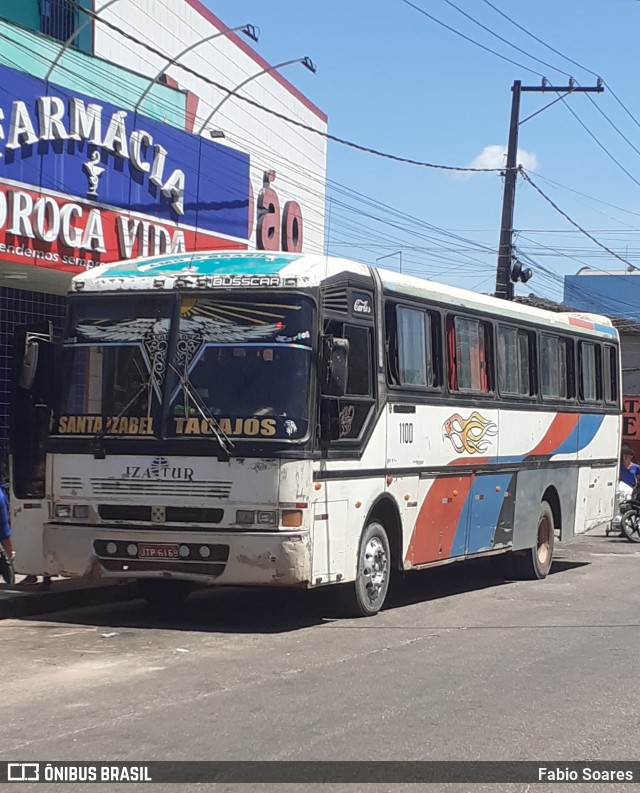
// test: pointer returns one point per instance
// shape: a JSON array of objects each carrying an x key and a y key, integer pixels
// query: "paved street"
[{"x": 459, "y": 666}]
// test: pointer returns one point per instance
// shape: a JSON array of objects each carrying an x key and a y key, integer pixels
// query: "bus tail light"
[{"x": 292, "y": 518}]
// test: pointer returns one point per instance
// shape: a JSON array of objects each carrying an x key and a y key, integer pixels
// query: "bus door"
[
  {"x": 463, "y": 514},
  {"x": 31, "y": 398},
  {"x": 490, "y": 512},
  {"x": 441, "y": 526}
]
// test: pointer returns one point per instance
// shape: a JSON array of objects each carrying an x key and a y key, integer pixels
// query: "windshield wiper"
[
  {"x": 224, "y": 441},
  {"x": 146, "y": 384}
]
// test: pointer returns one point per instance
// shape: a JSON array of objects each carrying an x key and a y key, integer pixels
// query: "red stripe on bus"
[
  {"x": 439, "y": 517},
  {"x": 581, "y": 323},
  {"x": 559, "y": 430}
]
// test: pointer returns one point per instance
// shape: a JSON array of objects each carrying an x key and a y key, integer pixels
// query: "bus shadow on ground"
[
  {"x": 270, "y": 611},
  {"x": 438, "y": 583}
]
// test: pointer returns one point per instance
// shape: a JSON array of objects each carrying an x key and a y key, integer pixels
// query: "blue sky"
[{"x": 392, "y": 79}]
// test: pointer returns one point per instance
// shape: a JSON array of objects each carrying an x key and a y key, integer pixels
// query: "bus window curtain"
[
  {"x": 451, "y": 355},
  {"x": 483, "y": 378}
]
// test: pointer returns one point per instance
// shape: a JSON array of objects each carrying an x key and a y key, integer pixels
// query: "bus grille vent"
[
  {"x": 160, "y": 487},
  {"x": 133, "y": 512},
  {"x": 70, "y": 483},
  {"x": 336, "y": 299}
]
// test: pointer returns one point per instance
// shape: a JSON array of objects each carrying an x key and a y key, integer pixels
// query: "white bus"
[{"x": 247, "y": 418}]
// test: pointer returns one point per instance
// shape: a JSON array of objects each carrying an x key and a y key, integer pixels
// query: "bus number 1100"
[{"x": 406, "y": 432}]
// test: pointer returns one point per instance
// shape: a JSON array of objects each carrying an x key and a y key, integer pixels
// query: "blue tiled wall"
[{"x": 20, "y": 307}]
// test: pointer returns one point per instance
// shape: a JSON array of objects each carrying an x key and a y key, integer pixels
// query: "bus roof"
[{"x": 263, "y": 269}]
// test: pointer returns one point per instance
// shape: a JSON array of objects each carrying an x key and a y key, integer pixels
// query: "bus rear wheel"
[
  {"x": 535, "y": 563},
  {"x": 164, "y": 595},
  {"x": 366, "y": 596}
]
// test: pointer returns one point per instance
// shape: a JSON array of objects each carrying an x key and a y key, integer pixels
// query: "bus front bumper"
[{"x": 280, "y": 558}]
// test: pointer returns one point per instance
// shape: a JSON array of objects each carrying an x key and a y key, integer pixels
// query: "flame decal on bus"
[{"x": 471, "y": 435}]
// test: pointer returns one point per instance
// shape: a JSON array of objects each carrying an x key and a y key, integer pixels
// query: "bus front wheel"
[
  {"x": 536, "y": 562},
  {"x": 366, "y": 595}
]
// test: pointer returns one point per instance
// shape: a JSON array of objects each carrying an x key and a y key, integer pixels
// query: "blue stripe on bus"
[
  {"x": 486, "y": 511},
  {"x": 479, "y": 517},
  {"x": 606, "y": 329},
  {"x": 580, "y": 437},
  {"x": 584, "y": 432},
  {"x": 460, "y": 537}
]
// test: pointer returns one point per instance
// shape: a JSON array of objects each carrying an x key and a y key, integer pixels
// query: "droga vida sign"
[{"x": 83, "y": 182}]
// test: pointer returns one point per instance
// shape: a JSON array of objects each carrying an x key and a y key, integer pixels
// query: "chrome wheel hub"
[{"x": 375, "y": 568}]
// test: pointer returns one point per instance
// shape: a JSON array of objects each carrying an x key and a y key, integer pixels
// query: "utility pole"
[{"x": 509, "y": 271}]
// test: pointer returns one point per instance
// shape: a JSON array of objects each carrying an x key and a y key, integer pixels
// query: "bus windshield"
[
  {"x": 172, "y": 366},
  {"x": 114, "y": 363}
]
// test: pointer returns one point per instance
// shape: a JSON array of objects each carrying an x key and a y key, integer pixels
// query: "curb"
[{"x": 28, "y": 604}]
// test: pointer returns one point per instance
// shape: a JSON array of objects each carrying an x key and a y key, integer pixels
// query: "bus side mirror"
[
  {"x": 336, "y": 367},
  {"x": 29, "y": 363},
  {"x": 31, "y": 355}
]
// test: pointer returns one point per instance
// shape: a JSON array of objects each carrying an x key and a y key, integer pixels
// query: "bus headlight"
[
  {"x": 245, "y": 516},
  {"x": 81, "y": 511},
  {"x": 63, "y": 511},
  {"x": 268, "y": 518}
]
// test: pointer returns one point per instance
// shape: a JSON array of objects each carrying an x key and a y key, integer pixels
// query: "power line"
[
  {"x": 600, "y": 144},
  {"x": 550, "y": 201},
  {"x": 282, "y": 116},
  {"x": 565, "y": 57},
  {"x": 309, "y": 128},
  {"x": 505, "y": 41},
  {"x": 584, "y": 195},
  {"x": 469, "y": 39},
  {"x": 617, "y": 129},
  {"x": 384, "y": 213},
  {"x": 622, "y": 105},
  {"x": 539, "y": 40}
]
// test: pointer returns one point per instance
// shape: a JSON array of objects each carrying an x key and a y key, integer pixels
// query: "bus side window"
[
  {"x": 469, "y": 347},
  {"x": 556, "y": 367},
  {"x": 610, "y": 375},
  {"x": 590, "y": 369},
  {"x": 359, "y": 360},
  {"x": 393, "y": 376},
  {"x": 516, "y": 373},
  {"x": 452, "y": 371},
  {"x": 356, "y": 404},
  {"x": 414, "y": 347}
]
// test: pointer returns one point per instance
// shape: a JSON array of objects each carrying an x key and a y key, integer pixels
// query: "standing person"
[
  {"x": 629, "y": 471},
  {"x": 5, "y": 534}
]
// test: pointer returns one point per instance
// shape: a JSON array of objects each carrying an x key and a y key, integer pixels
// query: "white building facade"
[{"x": 287, "y": 161}]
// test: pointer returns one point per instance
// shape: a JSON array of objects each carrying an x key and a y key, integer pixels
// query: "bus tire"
[
  {"x": 631, "y": 525},
  {"x": 366, "y": 595},
  {"x": 535, "y": 562},
  {"x": 165, "y": 595}
]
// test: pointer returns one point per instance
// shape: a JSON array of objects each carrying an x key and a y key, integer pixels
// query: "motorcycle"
[{"x": 626, "y": 521}]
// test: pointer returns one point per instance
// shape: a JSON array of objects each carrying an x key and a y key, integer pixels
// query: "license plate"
[{"x": 158, "y": 552}]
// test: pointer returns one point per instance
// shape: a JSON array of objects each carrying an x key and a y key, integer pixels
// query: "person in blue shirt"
[
  {"x": 629, "y": 471},
  {"x": 5, "y": 525}
]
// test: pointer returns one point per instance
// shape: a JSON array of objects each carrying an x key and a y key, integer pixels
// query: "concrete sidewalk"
[{"x": 64, "y": 593}]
